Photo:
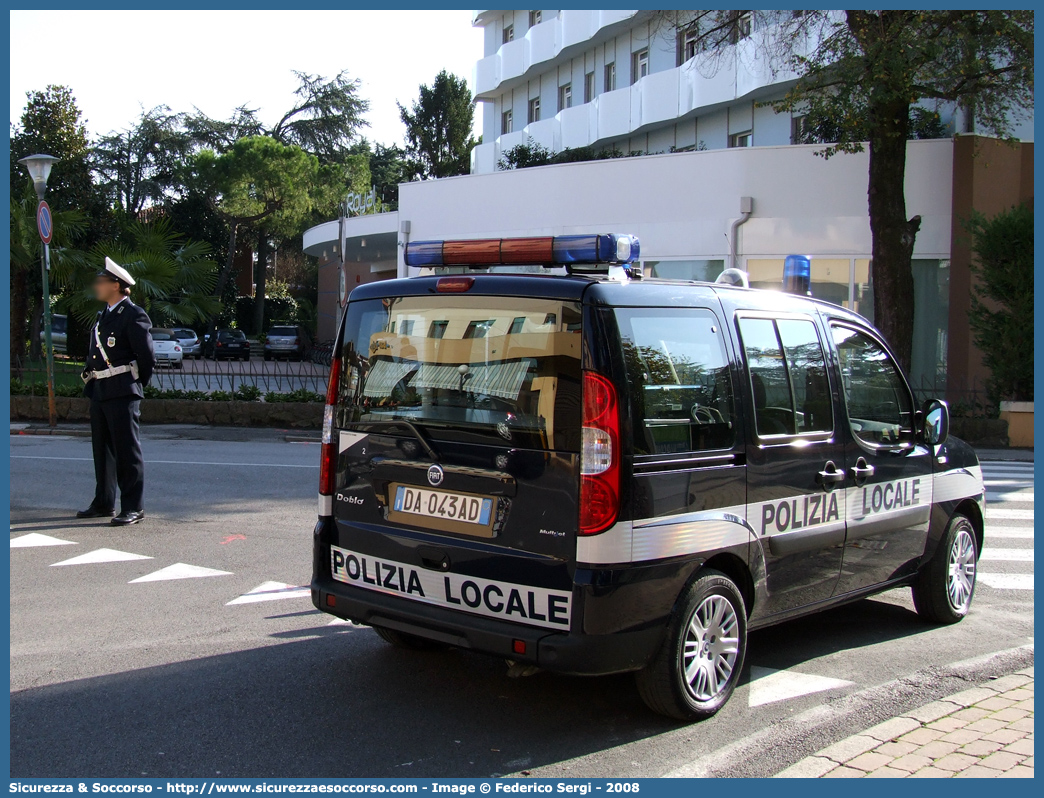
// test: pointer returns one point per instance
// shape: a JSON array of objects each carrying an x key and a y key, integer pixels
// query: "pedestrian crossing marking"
[
  {"x": 767, "y": 686},
  {"x": 1010, "y": 533},
  {"x": 1008, "y": 496},
  {"x": 1008, "y": 515},
  {"x": 1007, "y": 555},
  {"x": 101, "y": 555},
  {"x": 272, "y": 591},
  {"x": 36, "y": 539},
  {"x": 1006, "y": 581},
  {"x": 179, "y": 570}
]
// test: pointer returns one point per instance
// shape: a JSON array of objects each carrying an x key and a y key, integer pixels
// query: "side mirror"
[{"x": 936, "y": 427}]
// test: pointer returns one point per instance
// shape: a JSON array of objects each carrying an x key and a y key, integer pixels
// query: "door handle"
[
  {"x": 829, "y": 476},
  {"x": 862, "y": 471}
]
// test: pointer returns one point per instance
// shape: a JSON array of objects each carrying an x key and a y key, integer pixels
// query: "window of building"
[
  {"x": 880, "y": 408},
  {"x": 798, "y": 129},
  {"x": 589, "y": 87},
  {"x": 517, "y": 325},
  {"x": 788, "y": 379},
  {"x": 639, "y": 65},
  {"x": 506, "y": 122},
  {"x": 610, "y": 76},
  {"x": 678, "y": 377},
  {"x": 437, "y": 329},
  {"x": 535, "y": 18},
  {"x": 551, "y": 319},
  {"x": 743, "y": 139},
  {"x": 689, "y": 43},
  {"x": 509, "y": 33},
  {"x": 479, "y": 329},
  {"x": 534, "y": 110},
  {"x": 742, "y": 26},
  {"x": 406, "y": 328},
  {"x": 565, "y": 96},
  {"x": 703, "y": 270}
]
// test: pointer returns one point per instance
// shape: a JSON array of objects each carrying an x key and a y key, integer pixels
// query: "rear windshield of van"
[{"x": 506, "y": 369}]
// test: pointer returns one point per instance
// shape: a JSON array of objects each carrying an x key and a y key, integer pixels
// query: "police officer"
[{"x": 120, "y": 361}]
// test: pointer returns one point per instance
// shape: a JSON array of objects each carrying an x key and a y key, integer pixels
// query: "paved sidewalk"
[{"x": 984, "y": 732}]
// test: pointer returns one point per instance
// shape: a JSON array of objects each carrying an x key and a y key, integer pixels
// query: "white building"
[{"x": 729, "y": 186}]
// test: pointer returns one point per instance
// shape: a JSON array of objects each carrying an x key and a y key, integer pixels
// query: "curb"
[
  {"x": 820, "y": 727},
  {"x": 76, "y": 433},
  {"x": 302, "y": 439}
]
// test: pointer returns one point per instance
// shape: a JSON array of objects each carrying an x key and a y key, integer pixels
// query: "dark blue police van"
[{"x": 590, "y": 472}]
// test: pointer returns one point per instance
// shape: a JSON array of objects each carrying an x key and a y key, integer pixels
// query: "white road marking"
[
  {"x": 1006, "y": 581},
  {"x": 272, "y": 591},
  {"x": 36, "y": 539},
  {"x": 179, "y": 570},
  {"x": 768, "y": 686},
  {"x": 1008, "y": 515},
  {"x": 1007, "y": 555},
  {"x": 1022, "y": 483},
  {"x": 1009, "y": 496},
  {"x": 101, "y": 555},
  {"x": 1010, "y": 533},
  {"x": 168, "y": 462}
]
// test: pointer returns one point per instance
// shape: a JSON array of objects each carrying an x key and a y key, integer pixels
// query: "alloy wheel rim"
[
  {"x": 960, "y": 571},
  {"x": 711, "y": 648}
]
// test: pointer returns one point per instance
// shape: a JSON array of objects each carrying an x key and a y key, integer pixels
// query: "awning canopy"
[{"x": 492, "y": 379}]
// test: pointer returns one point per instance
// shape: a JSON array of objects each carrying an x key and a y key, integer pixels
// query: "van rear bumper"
[{"x": 587, "y": 655}]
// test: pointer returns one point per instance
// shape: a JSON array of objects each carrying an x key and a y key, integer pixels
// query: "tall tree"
[
  {"x": 324, "y": 122},
  {"x": 140, "y": 165},
  {"x": 863, "y": 74},
  {"x": 51, "y": 123},
  {"x": 438, "y": 128},
  {"x": 259, "y": 182}
]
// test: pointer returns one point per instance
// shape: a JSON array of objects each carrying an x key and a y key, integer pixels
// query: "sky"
[{"x": 119, "y": 62}]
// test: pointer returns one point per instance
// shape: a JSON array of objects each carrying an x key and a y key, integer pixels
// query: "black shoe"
[
  {"x": 94, "y": 512},
  {"x": 129, "y": 517}
]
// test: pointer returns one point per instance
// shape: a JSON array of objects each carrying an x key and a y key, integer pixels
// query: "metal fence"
[
  {"x": 967, "y": 398},
  {"x": 194, "y": 376}
]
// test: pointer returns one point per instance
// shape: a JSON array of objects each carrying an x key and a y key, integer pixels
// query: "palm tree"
[
  {"x": 174, "y": 276},
  {"x": 26, "y": 287}
]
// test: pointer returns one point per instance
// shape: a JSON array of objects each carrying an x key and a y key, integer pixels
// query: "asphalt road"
[{"x": 163, "y": 677}]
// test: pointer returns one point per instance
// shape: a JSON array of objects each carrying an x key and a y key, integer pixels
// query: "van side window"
[
  {"x": 880, "y": 408},
  {"x": 678, "y": 375},
  {"x": 788, "y": 376}
]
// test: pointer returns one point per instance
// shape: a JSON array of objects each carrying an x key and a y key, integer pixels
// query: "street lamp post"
[{"x": 39, "y": 167}]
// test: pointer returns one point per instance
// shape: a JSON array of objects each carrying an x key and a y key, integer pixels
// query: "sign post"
[{"x": 45, "y": 226}]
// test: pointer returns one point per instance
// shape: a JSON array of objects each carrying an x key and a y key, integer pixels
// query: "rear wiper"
[{"x": 400, "y": 422}]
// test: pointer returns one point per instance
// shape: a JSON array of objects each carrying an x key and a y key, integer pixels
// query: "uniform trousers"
[{"x": 117, "y": 453}]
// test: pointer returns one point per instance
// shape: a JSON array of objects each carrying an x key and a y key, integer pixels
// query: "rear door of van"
[{"x": 458, "y": 438}]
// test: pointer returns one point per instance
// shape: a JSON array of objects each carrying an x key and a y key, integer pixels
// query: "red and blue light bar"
[{"x": 610, "y": 249}]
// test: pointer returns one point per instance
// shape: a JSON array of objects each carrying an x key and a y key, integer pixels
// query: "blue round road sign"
[{"x": 43, "y": 222}]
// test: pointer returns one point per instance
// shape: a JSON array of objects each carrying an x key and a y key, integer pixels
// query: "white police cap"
[{"x": 114, "y": 271}]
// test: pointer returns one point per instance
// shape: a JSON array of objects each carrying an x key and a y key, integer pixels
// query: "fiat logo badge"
[{"x": 436, "y": 475}]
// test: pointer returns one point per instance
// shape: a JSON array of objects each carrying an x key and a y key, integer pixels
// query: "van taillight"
[
  {"x": 328, "y": 451},
  {"x": 599, "y": 455}
]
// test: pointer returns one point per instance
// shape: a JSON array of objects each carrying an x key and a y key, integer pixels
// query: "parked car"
[
  {"x": 287, "y": 340},
  {"x": 167, "y": 347},
  {"x": 59, "y": 329},
  {"x": 190, "y": 343},
  {"x": 228, "y": 345},
  {"x": 598, "y": 473}
]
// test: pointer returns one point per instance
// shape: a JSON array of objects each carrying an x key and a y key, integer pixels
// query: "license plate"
[
  {"x": 506, "y": 601},
  {"x": 440, "y": 505}
]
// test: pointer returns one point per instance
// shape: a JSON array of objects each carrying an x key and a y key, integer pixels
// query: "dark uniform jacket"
[{"x": 125, "y": 333}]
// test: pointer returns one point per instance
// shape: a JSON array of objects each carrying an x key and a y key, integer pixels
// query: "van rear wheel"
[
  {"x": 945, "y": 586},
  {"x": 405, "y": 640},
  {"x": 699, "y": 664}
]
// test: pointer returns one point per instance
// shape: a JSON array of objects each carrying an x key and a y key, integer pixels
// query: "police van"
[{"x": 584, "y": 471}]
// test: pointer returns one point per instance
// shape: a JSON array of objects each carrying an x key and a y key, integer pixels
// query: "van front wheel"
[
  {"x": 405, "y": 640},
  {"x": 699, "y": 664}
]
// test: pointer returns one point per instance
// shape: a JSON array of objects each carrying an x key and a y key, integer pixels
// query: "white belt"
[{"x": 112, "y": 371}]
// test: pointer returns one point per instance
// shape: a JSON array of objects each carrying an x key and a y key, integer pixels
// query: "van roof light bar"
[{"x": 575, "y": 252}]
